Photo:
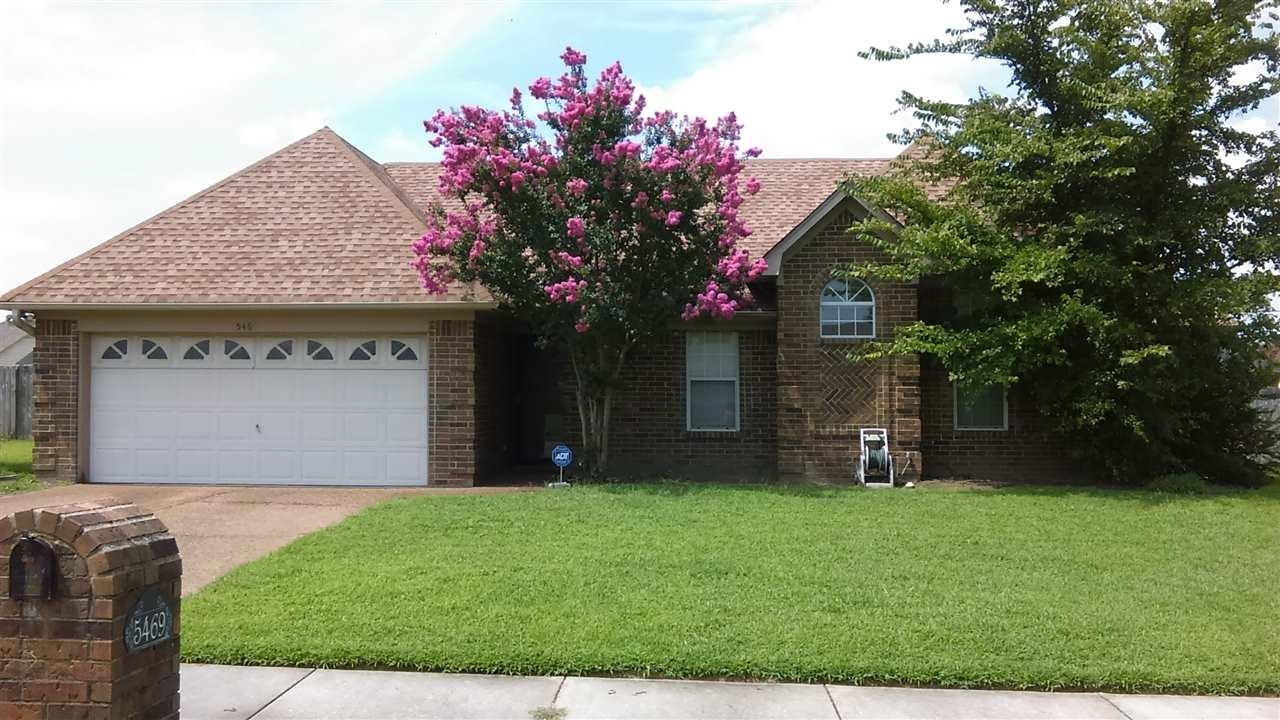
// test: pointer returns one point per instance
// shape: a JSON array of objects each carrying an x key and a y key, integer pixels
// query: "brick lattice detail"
[
  {"x": 65, "y": 657},
  {"x": 451, "y": 439},
  {"x": 56, "y": 399},
  {"x": 823, "y": 397}
]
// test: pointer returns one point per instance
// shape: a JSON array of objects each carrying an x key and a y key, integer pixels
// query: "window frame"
[
  {"x": 955, "y": 412},
  {"x": 689, "y": 379},
  {"x": 822, "y": 301}
]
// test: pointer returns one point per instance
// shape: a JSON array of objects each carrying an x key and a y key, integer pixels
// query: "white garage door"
[{"x": 296, "y": 410}]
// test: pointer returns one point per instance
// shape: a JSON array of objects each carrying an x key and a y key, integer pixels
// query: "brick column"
[
  {"x": 66, "y": 656},
  {"x": 55, "y": 420},
  {"x": 451, "y": 431}
]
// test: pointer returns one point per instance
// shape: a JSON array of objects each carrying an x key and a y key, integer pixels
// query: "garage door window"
[
  {"x": 198, "y": 350},
  {"x": 118, "y": 350},
  {"x": 316, "y": 350},
  {"x": 282, "y": 350},
  {"x": 401, "y": 351},
  {"x": 152, "y": 350},
  {"x": 365, "y": 350},
  {"x": 234, "y": 350}
]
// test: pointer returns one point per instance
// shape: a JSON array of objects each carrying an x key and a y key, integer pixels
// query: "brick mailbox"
[{"x": 89, "y": 601}]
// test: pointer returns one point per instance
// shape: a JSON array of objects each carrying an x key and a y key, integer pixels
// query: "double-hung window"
[
  {"x": 981, "y": 408},
  {"x": 711, "y": 372}
]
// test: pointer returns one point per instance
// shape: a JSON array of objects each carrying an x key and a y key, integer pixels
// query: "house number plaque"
[{"x": 149, "y": 623}]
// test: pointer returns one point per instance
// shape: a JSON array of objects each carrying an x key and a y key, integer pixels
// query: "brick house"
[{"x": 270, "y": 330}]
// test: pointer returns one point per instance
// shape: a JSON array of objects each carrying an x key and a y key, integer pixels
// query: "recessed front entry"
[{"x": 289, "y": 410}]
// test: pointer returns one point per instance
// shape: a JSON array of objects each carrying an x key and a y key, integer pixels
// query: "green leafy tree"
[{"x": 1106, "y": 228}]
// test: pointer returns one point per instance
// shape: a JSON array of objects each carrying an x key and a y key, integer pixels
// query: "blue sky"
[{"x": 110, "y": 113}]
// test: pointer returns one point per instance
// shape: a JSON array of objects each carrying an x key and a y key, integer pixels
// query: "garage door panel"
[
  {"x": 363, "y": 468},
  {"x": 404, "y": 467},
  {"x": 320, "y": 466},
  {"x": 301, "y": 420},
  {"x": 193, "y": 465},
  {"x": 277, "y": 465},
  {"x": 362, "y": 428},
  {"x": 319, "y": 427}
]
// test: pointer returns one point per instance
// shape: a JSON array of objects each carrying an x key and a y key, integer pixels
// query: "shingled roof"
[
  {"x": 320, "y": 223},
  {"x": 317, "y": 222}
]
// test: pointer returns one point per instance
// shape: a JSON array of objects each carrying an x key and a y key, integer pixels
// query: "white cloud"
[
  {"x": 112, "y": 112},
  {"x": 797, "y": 84}
]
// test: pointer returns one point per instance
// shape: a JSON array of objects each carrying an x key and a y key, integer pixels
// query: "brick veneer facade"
[
  {"x": 648, "y": 432},
  {"x": 451, "y": 439},
  {"x": 66, "y": 657},
  {"x": 823, "y": 399},
  {"x": 56, "y": 401}
]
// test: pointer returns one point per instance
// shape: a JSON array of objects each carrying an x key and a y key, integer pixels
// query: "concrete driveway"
[{"x": 220, "y": 527}]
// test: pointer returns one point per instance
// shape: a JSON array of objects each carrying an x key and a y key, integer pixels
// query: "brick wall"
[
  {"x": 823, "y": 398},
  {"x": 56, "y": 400},
  {"x": 451, "y": 439},
  {"x": 648, "y": 434},
  {"x": 1024, "y": 453}
]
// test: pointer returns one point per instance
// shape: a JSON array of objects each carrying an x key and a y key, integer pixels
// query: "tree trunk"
[{"x": 596, "y": 380}]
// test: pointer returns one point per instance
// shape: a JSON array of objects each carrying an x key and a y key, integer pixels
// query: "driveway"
[{"x": 220, "y": 527}]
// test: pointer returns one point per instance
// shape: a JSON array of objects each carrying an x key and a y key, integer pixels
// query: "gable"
[{"x": 315, "y": 223}]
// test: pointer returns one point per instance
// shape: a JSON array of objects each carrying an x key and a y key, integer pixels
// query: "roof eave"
[{"x": 430, "y": 305}]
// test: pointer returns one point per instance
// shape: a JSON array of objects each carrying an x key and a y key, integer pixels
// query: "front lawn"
[
  {"x": 15, "y": 459},
  {"x": 1034, "y": 588}
]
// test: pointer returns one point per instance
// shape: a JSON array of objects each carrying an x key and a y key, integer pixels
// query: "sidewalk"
[{"x": 222, "y": 692}]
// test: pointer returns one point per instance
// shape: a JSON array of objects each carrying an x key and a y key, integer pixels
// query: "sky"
[{"x": 110, "y": 113}]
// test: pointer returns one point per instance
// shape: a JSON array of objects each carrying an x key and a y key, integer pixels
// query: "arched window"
[{"x": 848, "y": 310}]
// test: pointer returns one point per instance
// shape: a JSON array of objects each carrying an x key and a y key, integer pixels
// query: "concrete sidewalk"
[{"x": 220, "y": 692}]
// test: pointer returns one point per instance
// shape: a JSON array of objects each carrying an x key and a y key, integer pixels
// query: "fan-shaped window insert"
[
  {"x": 365, "y": 350},
  {"x": 401, "y": 351},
  {"x": 117, "y": 350},
  {"x": 282, "y": 350},
  {"x": 234, "y": 350},
  {"x": 199, "y": 350},
  {"x": 848, "y": 310},
  {"x": 317, "y": 350},
  {"x": 152, "y": 350}
]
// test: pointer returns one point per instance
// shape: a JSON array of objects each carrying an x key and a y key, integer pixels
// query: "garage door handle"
[{"x": 259, "y": 427}]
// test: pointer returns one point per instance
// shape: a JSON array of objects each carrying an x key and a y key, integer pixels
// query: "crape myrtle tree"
[
  {"x": 1111, "y": 237},
  {"x": 597, "y": 224}
]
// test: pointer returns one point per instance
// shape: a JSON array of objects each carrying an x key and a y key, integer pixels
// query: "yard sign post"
[{"x": 561, "y": 455}]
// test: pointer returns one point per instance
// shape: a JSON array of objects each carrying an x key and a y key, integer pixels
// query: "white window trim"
[
  {"x": 849, "y": 303},
  {"x": 955, "y": 412},
  {"x": 737, "y": 389}
]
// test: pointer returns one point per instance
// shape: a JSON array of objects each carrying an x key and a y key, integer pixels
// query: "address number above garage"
[{"x": 406, "y": 352}]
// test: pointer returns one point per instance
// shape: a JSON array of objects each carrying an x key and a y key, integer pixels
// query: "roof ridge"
[
  {"x": 380, "y": 176},
  {"x": 8, "y": 296}
]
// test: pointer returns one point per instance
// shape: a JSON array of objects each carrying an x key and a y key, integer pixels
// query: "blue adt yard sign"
[{"x": 561, "y": 455}]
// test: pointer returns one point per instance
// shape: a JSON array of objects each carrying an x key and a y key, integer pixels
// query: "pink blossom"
[
  {"x": 517, "y": 179},
  {"x": 666, "y": 195},
  {"x": 572, "y": 57},
  {"x": 581, "y": 326},
  {"x": 673, "y": 218},
  {"x": 576, "y": 187},
  {"x": 575, "y": 228},
  {"x": 753, "y": 185},
  {"x": 541, "y": 88}
]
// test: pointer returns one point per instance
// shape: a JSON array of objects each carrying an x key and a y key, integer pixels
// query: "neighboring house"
[
  {"x": 270, "y": 330},
  {"x": 16, "y": 346}
]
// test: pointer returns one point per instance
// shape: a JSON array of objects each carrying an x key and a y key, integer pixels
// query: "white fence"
[{"x": 15, "y": 401}]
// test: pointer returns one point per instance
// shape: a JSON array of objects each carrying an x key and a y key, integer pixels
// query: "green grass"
[
  {"x": 1024, "y": 588},
  {"x": 15, "y": 458}
]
